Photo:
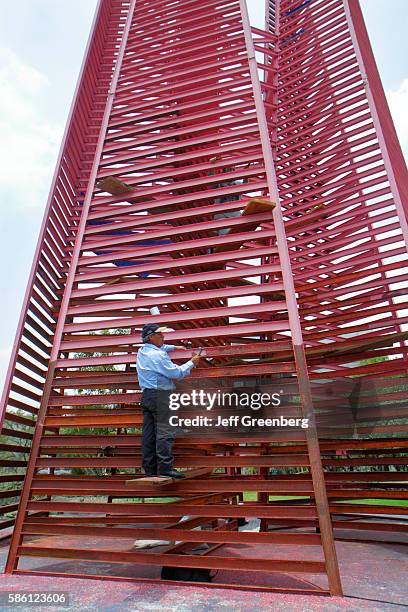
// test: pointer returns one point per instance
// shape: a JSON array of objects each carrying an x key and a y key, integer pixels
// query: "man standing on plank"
[{"x": 157, "y": 373}]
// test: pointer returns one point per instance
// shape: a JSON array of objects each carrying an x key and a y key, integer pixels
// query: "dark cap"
[{"x": 152, "y": 328}]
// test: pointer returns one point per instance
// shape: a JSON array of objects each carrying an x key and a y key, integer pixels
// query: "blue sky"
[{"x": 41, "y": 48}]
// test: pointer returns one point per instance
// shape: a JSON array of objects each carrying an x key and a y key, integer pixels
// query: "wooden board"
[
  {"x": 151, "y": 480},
  {"x": 160, "y": 481},
  {"x": 113, "y": 185},
  {"x": 254, "y": 206},
  {"x": 258, "y": 205},
  {"x": 116, "y": 187}
]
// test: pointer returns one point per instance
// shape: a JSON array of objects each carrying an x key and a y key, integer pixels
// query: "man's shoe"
[{"x": 172, "y": 474}]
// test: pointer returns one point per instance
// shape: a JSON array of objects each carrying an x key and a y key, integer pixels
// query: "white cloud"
[
  {"x": 398, "y": 102},
  {"x": 30, "y": 140}
]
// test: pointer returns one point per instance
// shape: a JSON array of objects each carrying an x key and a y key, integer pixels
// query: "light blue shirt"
[{"x": 156, "y": 370}]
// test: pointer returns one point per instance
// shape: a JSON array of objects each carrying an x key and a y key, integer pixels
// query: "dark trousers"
[{"x": 157, "y": 434}]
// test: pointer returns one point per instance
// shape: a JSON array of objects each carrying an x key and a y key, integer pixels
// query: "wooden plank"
[
  {"x": 258, "y": 205},
  {"x": 113, "y": 185},
  {"x": 254, "y": 206},
  {"x": 116, "y": 187},
  {"x": 164, "y": 480},
  {"x": 152, "y": 480}
]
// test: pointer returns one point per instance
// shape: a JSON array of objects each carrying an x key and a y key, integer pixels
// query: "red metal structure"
[
  {"x": 342, "y": 182},
  {"x": 185, "y": 124}
]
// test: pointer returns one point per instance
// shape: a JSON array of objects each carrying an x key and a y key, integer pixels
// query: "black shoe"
[{"x": 172, "y": 474}]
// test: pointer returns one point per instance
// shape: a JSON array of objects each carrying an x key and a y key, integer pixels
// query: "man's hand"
[
  {"x": 180, "y": 347},
  {"x": 196, "y": 358}
]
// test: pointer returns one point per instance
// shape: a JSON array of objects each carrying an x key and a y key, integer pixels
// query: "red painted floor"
[{"x": 375, "y": 577}]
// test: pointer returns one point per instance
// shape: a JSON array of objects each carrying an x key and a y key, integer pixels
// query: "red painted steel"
[
  {"x": 34, "y": 336},
  {"x": 182, "y": 134},
  {"x": 343, "y": 185}
]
